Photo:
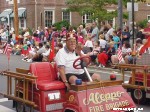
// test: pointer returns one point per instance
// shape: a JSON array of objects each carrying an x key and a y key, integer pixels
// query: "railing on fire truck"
[
  {"x": 143, "y": 69},
  {"x": 22, "y": 81}
]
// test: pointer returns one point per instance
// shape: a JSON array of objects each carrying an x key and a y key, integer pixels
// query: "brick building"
[
  {"x": 34, "y": 13},
  {"x": 143, "y": 13}
]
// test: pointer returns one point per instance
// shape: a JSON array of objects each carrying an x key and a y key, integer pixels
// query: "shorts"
[
  {"x": 80, "y": 76},
  {"x": 130, "y": 58},
  {"x": 32, "y": 52}
]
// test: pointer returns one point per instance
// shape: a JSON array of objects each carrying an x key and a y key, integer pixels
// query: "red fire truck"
[
  {"x": 139, "y": 81},
  {"x": 39, "y": 90}
]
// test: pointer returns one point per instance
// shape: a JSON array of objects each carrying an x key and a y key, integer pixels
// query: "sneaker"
[
  {"x": 103, "y": 66},
  {"x": 100, "y": 65},
  {"x": 25, "y": 59},
  {"x": 29, "y": 60}
]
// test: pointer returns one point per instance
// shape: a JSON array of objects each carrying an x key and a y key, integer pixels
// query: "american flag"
[
  {"x": 52, "y": 52},
  {"x": 7, "y": 50},
  {"x": 120, "y": 58}
]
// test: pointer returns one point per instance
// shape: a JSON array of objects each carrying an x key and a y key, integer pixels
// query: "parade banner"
[{"x": 102, "y": 99}]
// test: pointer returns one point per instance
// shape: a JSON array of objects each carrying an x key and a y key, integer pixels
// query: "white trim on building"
[
  {"x": 86, "y": 18},
  {"x": 70, "y": 15},
  {"x": 50, "y": 12},
  {"x": 12, "y": 1}
]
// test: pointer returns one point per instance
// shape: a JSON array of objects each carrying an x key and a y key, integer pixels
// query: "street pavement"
[{"x": 15, "y": 61}]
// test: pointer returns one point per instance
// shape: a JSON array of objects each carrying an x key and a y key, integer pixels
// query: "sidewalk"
[{"x": 5, "y": 109}]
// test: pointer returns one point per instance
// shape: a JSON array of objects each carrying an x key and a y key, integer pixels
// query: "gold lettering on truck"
[{"x": 98, "y": 98}]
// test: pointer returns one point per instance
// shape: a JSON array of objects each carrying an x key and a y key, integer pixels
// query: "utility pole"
[
  {"x": 133, "y": 30},
  {"x": 35, "y": 14},
  {"x": 16, "y": 22},
  {"x": 120, "y": 14}
]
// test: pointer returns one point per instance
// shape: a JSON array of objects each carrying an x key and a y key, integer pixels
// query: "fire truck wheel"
[
  {"x": 138, "y": 96},
  {"x": 20, "y": 107}
]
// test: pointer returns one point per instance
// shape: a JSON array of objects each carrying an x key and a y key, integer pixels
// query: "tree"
[
  {"x": 96, "y": 7},
  {"x": 125, "y": 2}
]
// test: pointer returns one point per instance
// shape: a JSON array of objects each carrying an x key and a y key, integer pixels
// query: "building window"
[
  {"x": 148, "y": 17},
  {"x": 86, "y": 18},
  {"x": 66, "y": 16},
  {"x": 22, "y": 22},
  {"x": 11, "y": 22},
  {"x": 49, "y": 18}
]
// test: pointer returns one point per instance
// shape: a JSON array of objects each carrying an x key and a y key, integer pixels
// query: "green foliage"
[
  {"x": 96, "y": 7},
  {"x": 20, "y": 31},
  {"x": 30, "y": 31},
  {"x": 139, "y": 1},
  {"x": 58, "y": 25},
  {"x": 142, "y": 24},
  {"x": 124, "y": 2},
  {"x": 125, "y": 15}
]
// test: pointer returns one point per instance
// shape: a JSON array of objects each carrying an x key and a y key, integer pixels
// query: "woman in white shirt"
[
  {"x": 3, "y": 35},
  {"x": 46, "y": 53},
  {"x": 126, "y": 52},
  {"x": 94, "y": 53},
  {"x": 89, "y": 43},
  {"x": 102, "y": 42}
]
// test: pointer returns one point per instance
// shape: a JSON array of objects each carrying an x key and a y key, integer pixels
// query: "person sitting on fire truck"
[{"x": 64, "y": 60}]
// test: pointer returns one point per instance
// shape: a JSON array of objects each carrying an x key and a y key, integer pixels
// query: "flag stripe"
[
  {"x": 120, "y": 58},
  {"x": 7, "y": 49},
  {"x": 52, "y": 51}
]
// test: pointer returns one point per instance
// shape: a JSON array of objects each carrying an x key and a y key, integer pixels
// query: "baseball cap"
[{"x": 70, "y": 36}]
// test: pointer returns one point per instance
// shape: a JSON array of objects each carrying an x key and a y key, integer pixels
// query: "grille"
[{"x": 55, "y": 106}]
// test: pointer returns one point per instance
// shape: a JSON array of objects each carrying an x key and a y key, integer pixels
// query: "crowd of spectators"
[{"x": 101, "y": 43}]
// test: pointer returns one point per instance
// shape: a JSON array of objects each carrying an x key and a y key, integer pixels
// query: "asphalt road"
[{"x": 15, "y": 61}]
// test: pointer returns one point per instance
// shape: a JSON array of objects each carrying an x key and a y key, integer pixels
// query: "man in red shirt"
[{"x": 146, "y": 31}]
